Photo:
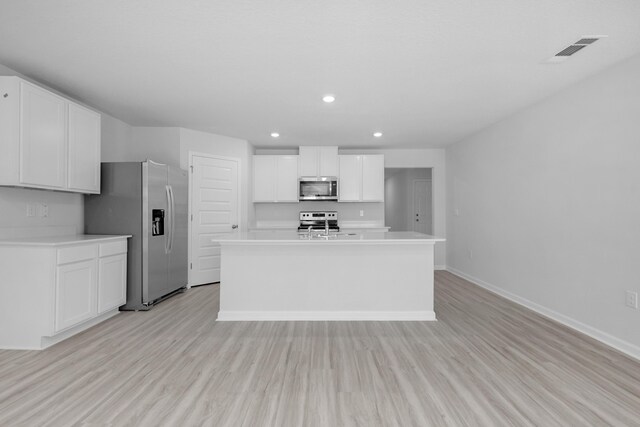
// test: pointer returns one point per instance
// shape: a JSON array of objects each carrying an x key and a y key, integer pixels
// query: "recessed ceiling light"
[
  {"x": 377, "y": 134},
  {"x": 275, "y": 134},
  {"x": 328, "y": 99}
]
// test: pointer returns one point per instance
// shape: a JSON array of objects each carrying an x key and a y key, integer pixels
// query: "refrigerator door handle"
[
  {"x": 167, "y": 240},
  {"x": 172, "y": 214}
]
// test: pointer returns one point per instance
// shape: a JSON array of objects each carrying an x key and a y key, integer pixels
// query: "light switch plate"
[{"x": 631, "y": 299}]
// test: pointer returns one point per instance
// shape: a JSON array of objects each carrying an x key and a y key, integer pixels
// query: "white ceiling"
[{"x": 426, "y": 73}]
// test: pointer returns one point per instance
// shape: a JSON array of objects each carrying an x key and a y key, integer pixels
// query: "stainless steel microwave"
[{"x": 313, "y": 188}]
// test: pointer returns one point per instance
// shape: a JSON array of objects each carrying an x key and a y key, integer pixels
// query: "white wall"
[
  {"x": 398, "y": 197},
  {"x": 160, "y": 144},
  {"x": 549, "y": 203}
]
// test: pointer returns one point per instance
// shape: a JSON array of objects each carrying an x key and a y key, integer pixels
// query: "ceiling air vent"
[{"x": 575, "y": 47}]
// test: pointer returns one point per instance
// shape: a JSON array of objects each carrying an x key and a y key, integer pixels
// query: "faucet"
[{"x": 309, "y": 230}]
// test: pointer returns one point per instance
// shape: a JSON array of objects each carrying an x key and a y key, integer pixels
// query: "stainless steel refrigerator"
[{"x": 147, "y": 200}]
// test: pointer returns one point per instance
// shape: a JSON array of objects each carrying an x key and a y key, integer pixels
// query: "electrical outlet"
[
  {"x": 43, "y": 210},
  {"x": 631, "y": 299},
  {"x": 361, "y": 213},
  {"x": 470, "y": 253},
  {"x": 31, "y": 210}
]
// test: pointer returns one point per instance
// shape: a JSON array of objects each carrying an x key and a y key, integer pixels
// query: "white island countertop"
[
  {"x": 293, "y": 237},
  {"x": 368, "y": 276},
  {"x": 60, "y": 240}
]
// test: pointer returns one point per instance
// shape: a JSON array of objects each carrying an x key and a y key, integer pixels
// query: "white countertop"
[
  {"x": 292, "y": 237},
  {"x": 60, "y": 240}
]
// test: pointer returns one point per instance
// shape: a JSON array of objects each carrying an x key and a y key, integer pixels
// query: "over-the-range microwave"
[{"x": 314, "y": 188}]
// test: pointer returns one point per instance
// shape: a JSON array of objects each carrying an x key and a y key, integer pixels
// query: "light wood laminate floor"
[{"x": 486, "y": 362}]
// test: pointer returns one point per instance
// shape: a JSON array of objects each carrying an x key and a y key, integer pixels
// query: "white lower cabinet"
[
  {"x": 77, "y": 281},
  {"x": 112, "y": 274},
  {"x": 76, "y": 286}
]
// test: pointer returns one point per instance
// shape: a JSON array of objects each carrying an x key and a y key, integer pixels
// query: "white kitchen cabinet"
[
  {"x": 112, "y": 272},
  {"x": 350, "y": 178},
  {"x": 264, "y": 172},
  {"x": 275, "y": 178},
  {"x": 76, "y": 286},
  {"x": 373, "y": 178},
  {"x": 84, "y": 150},
  {"x": 317, "y": 161},
  {"x": 79, "y": 281},
  {"x": 47, "y": 141},
  {"x": 361, "y": 178},
  {"x": 43, "y": 137}
]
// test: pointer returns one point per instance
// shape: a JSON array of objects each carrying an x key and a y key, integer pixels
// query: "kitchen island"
[{"x": 344, "y": 276}]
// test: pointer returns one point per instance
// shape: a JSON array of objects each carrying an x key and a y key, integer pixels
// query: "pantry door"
[
  {"x": 422, "y": 207},
  {"x": 214, "y": 209}
]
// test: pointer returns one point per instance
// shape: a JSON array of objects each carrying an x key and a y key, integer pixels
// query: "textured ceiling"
[{"x": 426, "y": 73}]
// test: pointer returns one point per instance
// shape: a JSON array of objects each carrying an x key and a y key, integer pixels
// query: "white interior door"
[
  {"x": 214, "y": 210},
  {"x": 422, "y": 221}
]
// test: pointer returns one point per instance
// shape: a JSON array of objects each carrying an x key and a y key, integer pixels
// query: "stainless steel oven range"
[{"x": 319, "y": 221}]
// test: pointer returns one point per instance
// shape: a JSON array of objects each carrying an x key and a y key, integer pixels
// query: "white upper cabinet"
[
  {"x": 318, "y": 161},
  {"x": 84, "y": 149},
  {"x": 43, "y": 137},
  {"x": 350, "y": 178},
  {"x": 264, "y": 173},
  {"x": 275, "y": 178},
  {"x": 47, "y": 141},
  {"x": 373, "y": 178},
  {"x": 361, "y": 178},
  {"x": 287, "y": 178}
]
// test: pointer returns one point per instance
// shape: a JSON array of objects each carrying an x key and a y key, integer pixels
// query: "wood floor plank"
[{"x": 487, "y": 361}]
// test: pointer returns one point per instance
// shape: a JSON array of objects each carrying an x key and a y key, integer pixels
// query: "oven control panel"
[{"x": 317, "y": 215}]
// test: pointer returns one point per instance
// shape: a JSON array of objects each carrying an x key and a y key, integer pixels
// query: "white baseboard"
[
  {"x": 49, "y": 341},
  {"x": 439, "y": 267},
  {"x": 250, "y": 316},
  {"x": 620, "y": 345}
]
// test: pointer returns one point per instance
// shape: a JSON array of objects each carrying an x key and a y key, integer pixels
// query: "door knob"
[{"x": 234, "y": 226}]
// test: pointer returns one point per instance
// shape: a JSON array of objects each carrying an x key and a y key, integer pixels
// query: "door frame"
[
  {"x": 413, "y": 199},
  {"x": 193, "y": 154}
]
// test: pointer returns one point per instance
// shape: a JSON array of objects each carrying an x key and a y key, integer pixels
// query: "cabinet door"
[
  {"x": 264, "y": 179},
  {"x": 308, "y": 161},
  {"x": 349, "y": 188},
  {"x": 84, "y": 149},
  {"x": 43, "y": 150},
  {"x": 373, "y": 178},
  {"x": 9, "y": 130},
  {"x": 287, "y": 178},
  {"x": 328, "y": 161},
  {"x": 76, "y": 285},
  {"x": 112, "y": 282}
]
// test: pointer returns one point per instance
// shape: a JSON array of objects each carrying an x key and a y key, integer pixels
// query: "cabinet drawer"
[
  {"x": 113, "y": 248},
  {"x": 77, "y": 253}
]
